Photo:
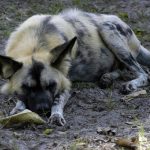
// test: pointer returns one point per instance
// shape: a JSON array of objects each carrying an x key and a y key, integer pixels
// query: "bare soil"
[{"x": 89, "y": 107}]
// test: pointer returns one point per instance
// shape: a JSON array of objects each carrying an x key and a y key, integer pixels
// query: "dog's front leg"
[
  {"x": 57, "y": 108},
  {"x": 20, "y": 106}
]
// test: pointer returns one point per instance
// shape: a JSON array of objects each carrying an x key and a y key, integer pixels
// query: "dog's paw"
[
  {"x": 105, "y": 81},
  {"x": 127, "y": 88},
  {"x": 57, "y": 119}
]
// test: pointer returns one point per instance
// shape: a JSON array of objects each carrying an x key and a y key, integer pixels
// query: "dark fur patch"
[
  {"x": 143, "y": 57},
  {"x": 121, "y": 29},
  {"x": 7, "y": 61},
  {"x": 130, "y": 62},
  {"x": 83, "y": 61},
  {"x": 39, "y": 101},
  {"x": 47, "y": 27},
  {"x": 51, "y": 86},
  {"x": 37, "y": 98},
  {"x": 104, "y": 51},
  {"x": 80, "y": 31},
  {"x": 129, "y": 31},
  {"x": 64, "y": 36},
  {"x": 35, "y": 72},
  {"x": 80, "y": 28},
  {"x": 78, "y": 54},
  {"x": 110, "y": 25},
  {"x": 89, "y": 54}
]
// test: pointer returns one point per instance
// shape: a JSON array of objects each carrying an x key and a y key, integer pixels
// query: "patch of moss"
[
  {"x": 56, "y": 8},
  {"x": 123, "y": 15},
  {"x": 139, "y": 32},
  {"x": 77, "y": 2}
]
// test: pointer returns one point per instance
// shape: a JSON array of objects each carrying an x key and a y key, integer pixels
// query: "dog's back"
[{"x": 41, "y": 33}]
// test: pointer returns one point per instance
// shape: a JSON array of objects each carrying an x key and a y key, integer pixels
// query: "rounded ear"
[
  {"x": 61, "y": 51},
  {"x": 8, "y": 66}
]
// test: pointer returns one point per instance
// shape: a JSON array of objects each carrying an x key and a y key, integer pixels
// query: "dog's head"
[{"x": 36, "y": 84}]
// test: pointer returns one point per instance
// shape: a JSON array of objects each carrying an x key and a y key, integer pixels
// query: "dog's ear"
[
  {"x": 8, "y": 66},
  {"x": 61, "y": 51}
]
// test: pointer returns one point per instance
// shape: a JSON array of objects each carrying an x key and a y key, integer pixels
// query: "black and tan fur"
[{"x": 47, "y": 52}]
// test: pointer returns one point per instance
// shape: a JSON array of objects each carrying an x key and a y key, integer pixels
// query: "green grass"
[
  {"x": 110, "y": 102},
  {"x": 123, "y": 15},
  {"x": 56, "y": 8},
  {"x": 139, "y": 32},
  {"x": 77, "y": 2}
]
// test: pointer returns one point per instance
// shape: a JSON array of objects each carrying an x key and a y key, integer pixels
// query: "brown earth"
[{"x": 89, "y": 107}]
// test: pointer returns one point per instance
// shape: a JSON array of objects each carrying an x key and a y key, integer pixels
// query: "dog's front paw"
[
  {"x": 127, "y": 88},
  {"x": 57, "y": 119}
]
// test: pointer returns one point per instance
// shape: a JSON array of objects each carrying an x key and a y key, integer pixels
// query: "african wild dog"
[{"x": 47, "y": 52}]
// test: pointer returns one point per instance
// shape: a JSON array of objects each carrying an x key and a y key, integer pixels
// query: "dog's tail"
[{"x": 144, "y": 56}]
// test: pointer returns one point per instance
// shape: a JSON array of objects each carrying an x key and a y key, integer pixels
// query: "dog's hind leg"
[
  {"x": 118, "y": 43},
  {"x": 144, "y": 56},
  {"x": 107, "y": 79}
]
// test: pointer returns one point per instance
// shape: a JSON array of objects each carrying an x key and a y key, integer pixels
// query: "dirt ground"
[{"x": 90, "y": 108}]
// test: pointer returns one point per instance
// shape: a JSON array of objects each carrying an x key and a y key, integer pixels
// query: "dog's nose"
[
  {"x": 40, "y": 101},
  {"x": 42, "y": 105}
]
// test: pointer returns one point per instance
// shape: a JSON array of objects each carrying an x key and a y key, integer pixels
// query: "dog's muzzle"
[{"x": 39, "y": 101}]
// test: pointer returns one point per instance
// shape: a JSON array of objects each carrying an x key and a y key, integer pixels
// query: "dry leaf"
[
  {"x": 25, "y": 116},
  {"x": 128, "y": 143}
]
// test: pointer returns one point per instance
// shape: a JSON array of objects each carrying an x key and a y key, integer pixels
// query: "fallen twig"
[{"x": 133, "y": 95}]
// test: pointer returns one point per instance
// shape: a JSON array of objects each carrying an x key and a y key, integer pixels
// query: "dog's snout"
[{"x": 39, "y": 101}]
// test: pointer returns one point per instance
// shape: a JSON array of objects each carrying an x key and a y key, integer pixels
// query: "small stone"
[
  {"x": 61, "y": 132},
  {"x": 76, "y": 135},
  {"x": 106, "y": 131},
  {"x": 17, "y": 135},
  {"x": 99, "y": 130},
  {"x": 129, "y": 123},
  {"x": 55, "y": 144}
]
